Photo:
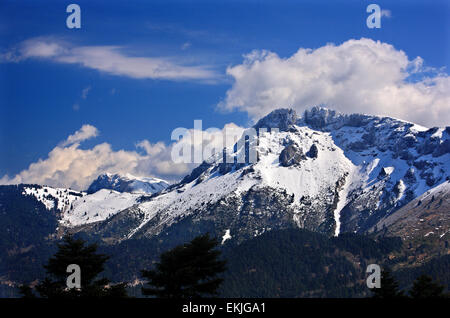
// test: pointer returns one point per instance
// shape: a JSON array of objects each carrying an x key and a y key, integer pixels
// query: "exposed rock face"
[
  {"x": 313, "y": 152},
  {"x": 291, "y": 155},
  {"x": 196, "y": 172},
  {"x": 442, "y": 149},
  {"x": 225, "y": 167},
  {"x": 320, "y": 117},
  {"x": 410, "y": 176},
  {"x": 127, "y": 183},
  {"x": 282, "y": 119}
]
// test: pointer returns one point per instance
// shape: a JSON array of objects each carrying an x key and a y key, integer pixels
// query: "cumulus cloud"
[
  {"x": 363, "y": 76},
  {"x": 67, "y": 165},
  {"x": 108, "y": 59},
  {"x": 84, "y": 133}
]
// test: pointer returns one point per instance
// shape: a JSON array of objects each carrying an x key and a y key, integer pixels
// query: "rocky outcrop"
[
  {"x": 282, "y": 119},
  {"x": 127, "y": 183},
  {"x": 291, "y": 155},
  {"x": 313, "y": 152}
]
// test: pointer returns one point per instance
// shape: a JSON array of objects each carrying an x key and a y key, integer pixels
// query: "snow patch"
[
  {"x": 226, "y": 236},
  {"x": 98, "y": 207}
]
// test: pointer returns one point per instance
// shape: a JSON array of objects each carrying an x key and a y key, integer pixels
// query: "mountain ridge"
[
  {"x": 325, "y": 171},
  {"x": 127, "y": 183}
]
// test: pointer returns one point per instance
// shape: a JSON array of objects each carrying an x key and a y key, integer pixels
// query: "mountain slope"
[
  {"x": 423, "y": 224},
  {"x": 397, "y": 161},
  {"x": 427, "y": 215},
  {"x": 298, "y": 263},
  {"x": 27, "y": 225},
  {"x": 97, "y": 207},
  {"x": 326, "y": 172},
  {"x": 250, "y": 198},
  {"x": 57, "y": 199}
]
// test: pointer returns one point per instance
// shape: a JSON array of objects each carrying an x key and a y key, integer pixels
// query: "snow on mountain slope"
[
  {"x": 127, "y": 183},
  {"x": 324, "y": 171},
  {"x": 192, "y": 196},
  {"x": 78, "y": 208},
  {"x": 303, "y": 179},
  {"x": 54, "y": 198},
  {"x": 397, "y": 160},
  {"x": 97, "y": 207}
]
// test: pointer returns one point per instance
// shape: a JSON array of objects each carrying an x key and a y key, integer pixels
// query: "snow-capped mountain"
[
  {"x": 107, "y": 195},
  {"x": 127, "y": 183},
  {"x": 324, "y": 171}
]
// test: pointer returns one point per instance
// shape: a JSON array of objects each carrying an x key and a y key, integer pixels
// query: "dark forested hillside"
[
  {"x": 299, "y": 263},
  {"x": 26, "y": 226}
]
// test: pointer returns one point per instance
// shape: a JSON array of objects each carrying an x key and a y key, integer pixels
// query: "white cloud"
[
  {"x": 84, "y": 133},
  {"x": 356, "y": 76},
  {"x": 36, "y": 48},
  {"x": 69, "y": 166},
  {"x": 108, "y": 59},
  {"x": 386, "y": 13}
]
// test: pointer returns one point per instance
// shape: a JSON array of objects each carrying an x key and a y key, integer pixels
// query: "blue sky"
[{"x": 44, "y": 100}]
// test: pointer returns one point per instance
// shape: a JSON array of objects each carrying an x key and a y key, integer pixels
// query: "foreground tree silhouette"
[
  {"x": 424, "y": 287},
  {"x": 187, "y": 271},
  {"x": 72, "y": 251},
  {"x": 389, "y": 287},
  {"x": 26, "y": 291}
]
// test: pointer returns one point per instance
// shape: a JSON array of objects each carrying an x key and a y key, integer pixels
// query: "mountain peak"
[
  {"x": 127, "y": 183},
  {"x": 281, "y": 118},
  {"x": 319, "y": 117}
]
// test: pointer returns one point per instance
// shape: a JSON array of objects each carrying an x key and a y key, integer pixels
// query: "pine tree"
[
  {"x": 72, "y": 251},
  {"x": 187, "y": 271},
  {"x": 389, "y": 287},
  {"x": 424, "y": 287},
  {"x": 26, "y": 291}
]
